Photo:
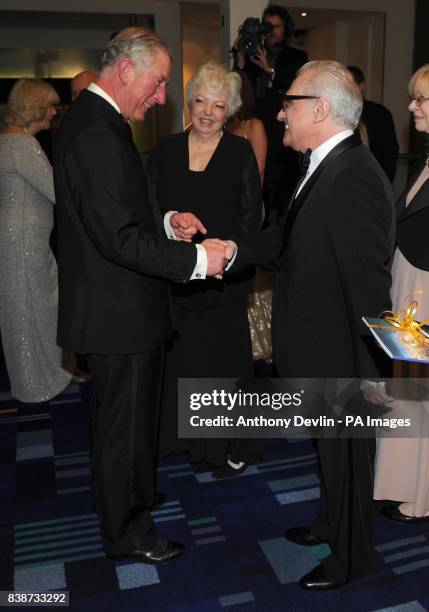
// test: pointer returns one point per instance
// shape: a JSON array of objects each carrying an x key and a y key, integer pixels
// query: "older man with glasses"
[{"x": 334, "y": 244}]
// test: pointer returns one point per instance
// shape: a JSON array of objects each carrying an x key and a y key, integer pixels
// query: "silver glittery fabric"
[
  {"x": 259, "y": 314},
  {"x": 28, "y": 271}
]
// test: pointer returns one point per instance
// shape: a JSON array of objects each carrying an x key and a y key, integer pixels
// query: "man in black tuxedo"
[
  {"x": 336, "y": 243},
  {"x": 380, "y": 128},
  {"x": 114, "y": 261}
]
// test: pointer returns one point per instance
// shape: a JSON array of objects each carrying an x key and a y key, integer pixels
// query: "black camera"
[{"x": 252, "y": 33}]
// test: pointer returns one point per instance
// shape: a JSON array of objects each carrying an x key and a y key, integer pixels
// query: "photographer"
[{"x": 271, "y": 67}]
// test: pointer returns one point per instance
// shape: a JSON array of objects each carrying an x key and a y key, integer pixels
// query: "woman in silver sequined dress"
[{"x": 28, "y": 272}]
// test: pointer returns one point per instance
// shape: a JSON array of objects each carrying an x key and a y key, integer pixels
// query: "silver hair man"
[
  {"x": 139, "y": 45},
  {"x": 332, "y": 80}
]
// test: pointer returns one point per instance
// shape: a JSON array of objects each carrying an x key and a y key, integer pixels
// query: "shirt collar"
[
  {"x": 100, "y": 92},
  {"x": 318, "y": 155}
]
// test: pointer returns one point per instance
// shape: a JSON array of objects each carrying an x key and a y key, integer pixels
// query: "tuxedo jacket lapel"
[
  {"x": 299, "y": 201},
  {"x": 342, "y": 147}
]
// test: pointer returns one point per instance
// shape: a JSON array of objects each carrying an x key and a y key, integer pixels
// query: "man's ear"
[
  {"x": 321, "y": 110},
  {"x": 125, "y": 70}
]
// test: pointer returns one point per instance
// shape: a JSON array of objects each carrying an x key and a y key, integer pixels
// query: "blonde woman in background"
[
  {"x": 28, "y": 272},
  {"x": 402, "y": 464}
]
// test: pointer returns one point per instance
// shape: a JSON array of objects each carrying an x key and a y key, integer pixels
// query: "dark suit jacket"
[
  {"x": 381, "y": 135},
  {"x": 112, "y": 250},
  {"x": 412, "y": 224},
  {"x": 334, "y": 267}
]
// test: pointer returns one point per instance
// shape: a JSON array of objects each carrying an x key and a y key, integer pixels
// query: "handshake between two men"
[{"x": 219, "y": 252}]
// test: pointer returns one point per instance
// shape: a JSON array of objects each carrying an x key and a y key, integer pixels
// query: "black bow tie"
[{"x": 304, "y": 161}]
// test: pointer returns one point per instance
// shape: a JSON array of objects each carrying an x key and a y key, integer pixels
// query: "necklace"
[{"x": 427, "y": 160}]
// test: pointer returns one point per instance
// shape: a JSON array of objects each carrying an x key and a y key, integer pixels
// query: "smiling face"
[
  {"x": 298, "y": 117},
  {"x": 209, "y": 111},
  {"x": 144, "y": 88}
]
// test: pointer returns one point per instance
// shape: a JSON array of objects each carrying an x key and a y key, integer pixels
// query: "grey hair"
[
  {"x": 332, "y": 80},
  {"x": 215, "y": 77},
  {"x": 140, "y": 45}
]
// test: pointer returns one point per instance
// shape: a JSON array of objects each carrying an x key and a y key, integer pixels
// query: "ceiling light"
[{"x": 304, "y": 14}]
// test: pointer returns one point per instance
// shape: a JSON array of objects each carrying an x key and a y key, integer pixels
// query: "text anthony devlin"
[{"x": 296, "y": 421}]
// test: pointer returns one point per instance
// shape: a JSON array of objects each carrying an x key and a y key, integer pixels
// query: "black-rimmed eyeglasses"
[
  {"x": 418, "y": 100},
  {"x": 288, "y": 98}
]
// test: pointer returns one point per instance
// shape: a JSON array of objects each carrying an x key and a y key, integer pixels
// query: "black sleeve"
[
  {"x": 249, "y": 211},
  {"x": 254, "y": 246},
  {"x": 361, "y": 236},
  {"x": 153, "y": 167},
  {"x": 106, "y": 203}
]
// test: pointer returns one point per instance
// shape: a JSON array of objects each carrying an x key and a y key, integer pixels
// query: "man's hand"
[
  {"x": 219, "y": 252},
  {"x": 186, "y": 225},
  {"x": 231, "y": 249},
  {"x": 375, "y": 393},
  {"x": 260, "y": 59}
]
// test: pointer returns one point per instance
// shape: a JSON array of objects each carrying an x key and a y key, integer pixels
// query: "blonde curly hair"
[{"x": 28, "y": 101}]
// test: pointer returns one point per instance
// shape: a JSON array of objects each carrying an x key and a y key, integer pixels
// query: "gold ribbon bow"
[{"x": 403, "y": 320}]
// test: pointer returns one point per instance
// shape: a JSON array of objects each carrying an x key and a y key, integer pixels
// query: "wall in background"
[
  {"x": 397, "y": 48},
  {"x": 201, "y": 25}
]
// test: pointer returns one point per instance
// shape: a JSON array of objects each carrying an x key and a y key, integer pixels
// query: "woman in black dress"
[{"x": 213, "y": 174}]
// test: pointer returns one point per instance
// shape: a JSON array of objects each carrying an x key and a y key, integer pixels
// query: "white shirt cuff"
[
  {"x": 231, "y": 261},
  {"x": 200, "y": 270},
  {"x": 375, "y": 383},
  {"x": 167, "y": 225}
]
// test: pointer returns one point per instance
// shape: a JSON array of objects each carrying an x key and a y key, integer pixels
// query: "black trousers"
[
  {"x": 124, "y": 442},
  {"x": 346, "y": 497}
]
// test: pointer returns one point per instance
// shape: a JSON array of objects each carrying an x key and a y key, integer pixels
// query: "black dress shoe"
[
  {"x": 159, "y": 500},
  {"x": 164, "y": 551},
  {"x": 318, "y": 580},
  {"x": 227, "y": 471},
  {"x": 303, "y": 536},
  {"x": 393, "y": 513}
]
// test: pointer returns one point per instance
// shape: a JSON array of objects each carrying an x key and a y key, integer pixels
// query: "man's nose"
[{"x": 161, "y": 94}]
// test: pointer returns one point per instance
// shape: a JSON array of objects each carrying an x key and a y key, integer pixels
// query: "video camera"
[{"x": 251, "y": 35}]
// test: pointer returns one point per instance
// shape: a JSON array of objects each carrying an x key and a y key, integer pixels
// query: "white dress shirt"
[
  {"x": 200, "y": 270},
  {"x": 319, "y": 154}
]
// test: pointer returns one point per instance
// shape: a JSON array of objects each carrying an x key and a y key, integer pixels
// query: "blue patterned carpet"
[{"x": 236, "y": 557}]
